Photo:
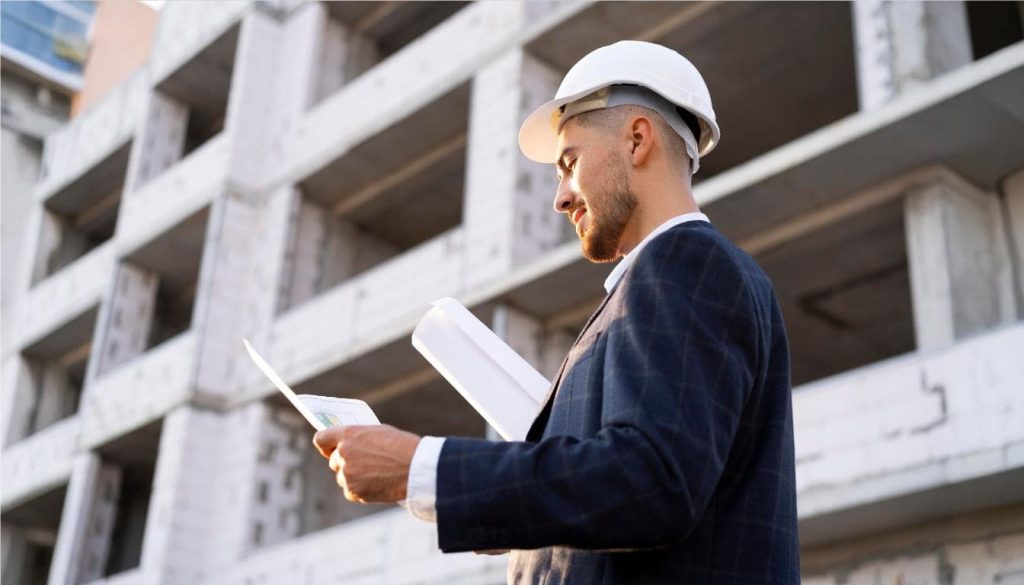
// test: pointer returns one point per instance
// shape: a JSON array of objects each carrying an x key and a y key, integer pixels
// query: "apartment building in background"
[
  {"x": 311, "y": 175},
  {"x": 43, "y": 48}
]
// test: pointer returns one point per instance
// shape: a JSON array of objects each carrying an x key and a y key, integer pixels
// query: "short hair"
[{"x": 609, "y": 119}]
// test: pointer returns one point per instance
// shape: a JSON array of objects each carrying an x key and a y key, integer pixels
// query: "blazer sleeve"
[{"x": 679, "y": 365}]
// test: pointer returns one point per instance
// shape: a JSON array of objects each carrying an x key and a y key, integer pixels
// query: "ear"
[{"x": 641, "y": 134}]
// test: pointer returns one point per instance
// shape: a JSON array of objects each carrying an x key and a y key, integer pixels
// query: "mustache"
[{"x": 572, "y": 210}]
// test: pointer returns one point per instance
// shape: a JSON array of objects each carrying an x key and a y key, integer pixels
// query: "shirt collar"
[{"x": 624, "y": 264}]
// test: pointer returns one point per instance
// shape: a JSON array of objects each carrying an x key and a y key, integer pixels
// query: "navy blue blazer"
[{"x": 664, "y": 452}]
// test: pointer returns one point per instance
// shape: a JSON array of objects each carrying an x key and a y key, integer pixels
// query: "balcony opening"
[
  {"x": 845, "y": 292},
  {"x": 54, "y": 375},
  {"x": 361, "y": 34},
  {"x": 122, "y": 505},
  {"x": 402, "y": 388},
  {"x": 193, "y": 103},
  {"x": 994, "y": 25},
  {"x": 82, "y": 215},
  {"x": 30, "y": 535},
  {"x": 394, "y": 191},
  {"x": 802, "y": 80},
  {"x": 172, "y": 260}
]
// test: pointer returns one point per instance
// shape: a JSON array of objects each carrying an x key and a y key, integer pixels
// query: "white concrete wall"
[
  {"x": 911, "y": 423},
  {"x": 998, "y": 559},
  {"x": 65, "y": 295},
  {"x": 27, "y": 472},
  {"x": 173, "y": 196},
  {"x": 388, "y": 548},
  {"x": 93, "y": 134},
  {"x": 139, "y": 391}
]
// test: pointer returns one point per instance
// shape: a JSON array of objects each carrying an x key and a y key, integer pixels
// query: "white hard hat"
[{"x": 655, "y": 67}]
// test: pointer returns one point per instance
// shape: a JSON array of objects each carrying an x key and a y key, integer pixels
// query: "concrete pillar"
[
  {"x": 344, "y": 55},
  {"x": 202, "y": 491},
  {"x": 1013, "y": 211},
  {"x": 87, "y": 519},
  {"x": 508, "y": 216},
  {"x": 960, "y": 272},
  {"x": 237, "y": 290},
  {"x": 525, "y": 335},
  {"x": 14, "y": 550},
  {"x": 298, "y": 74},
  {"x": 252, "y": 99},
  {"x": 520, "y": 331},
  {"x": 901, "y": 44},
  {"x": 280, "y": 505},
  {"x": 125, "y": 320},
  {"x": 159, "y": 141},
  {"x": 25, "y": 275},
  {"x": 19, "y": 399},
  {"x": 57, "y": 399},
  {"x": 48, "y": 238}
]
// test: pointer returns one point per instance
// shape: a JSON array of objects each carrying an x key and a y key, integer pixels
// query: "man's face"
[{"x": 594, "y": 189}]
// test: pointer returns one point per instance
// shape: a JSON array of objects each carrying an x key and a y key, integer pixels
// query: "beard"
[{"x": 609, "y": 211}]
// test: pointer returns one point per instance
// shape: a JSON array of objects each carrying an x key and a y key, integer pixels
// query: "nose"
[{"x": 564, "y": 198}]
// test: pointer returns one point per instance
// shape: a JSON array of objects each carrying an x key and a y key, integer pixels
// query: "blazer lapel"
[{"x": 542, "y": 415}]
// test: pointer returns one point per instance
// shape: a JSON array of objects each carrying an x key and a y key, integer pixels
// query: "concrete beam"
[{"x": 914, "y": 438}]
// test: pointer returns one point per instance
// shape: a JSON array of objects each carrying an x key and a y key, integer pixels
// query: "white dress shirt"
[{"x": 421, "y": 491}]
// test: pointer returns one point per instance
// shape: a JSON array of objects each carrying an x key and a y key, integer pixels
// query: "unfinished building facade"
[{"x": 312, "y": 175}]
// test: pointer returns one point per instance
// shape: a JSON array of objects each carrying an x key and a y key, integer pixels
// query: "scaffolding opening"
[
  {"x": 396, "y": 190},
  {"x": 359, "y": 35},
  {"x": 83, "y": 215},
  {"x": 30, "y": 535},
  {"x": 803, "y": 80}
]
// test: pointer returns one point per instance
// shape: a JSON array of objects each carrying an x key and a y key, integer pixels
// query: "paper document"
[
  {"x": 503, "y": 387},
  {"x": 320, "y": 411}
]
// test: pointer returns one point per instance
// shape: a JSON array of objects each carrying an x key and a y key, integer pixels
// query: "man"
[{"x": 664, "y": 451}]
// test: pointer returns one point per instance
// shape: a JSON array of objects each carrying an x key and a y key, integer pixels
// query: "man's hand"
[{"x": 371, "y": 462}]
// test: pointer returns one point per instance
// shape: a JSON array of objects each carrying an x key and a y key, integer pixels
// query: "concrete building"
[
  {"x": 42, "y": 50},
  {"x": 311, "y": 175}
]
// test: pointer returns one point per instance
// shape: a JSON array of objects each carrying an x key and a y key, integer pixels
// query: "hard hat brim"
[{"x": 537, "y": 138}]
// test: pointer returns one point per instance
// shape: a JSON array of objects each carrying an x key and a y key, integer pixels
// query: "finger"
[
  {"x": 336, "y": 462},
  {"x": 326, "y": 440},
  {"x": 346, "y": 490}
]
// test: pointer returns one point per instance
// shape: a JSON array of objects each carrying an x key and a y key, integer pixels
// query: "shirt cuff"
[{"x": 421, "y": 491}]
